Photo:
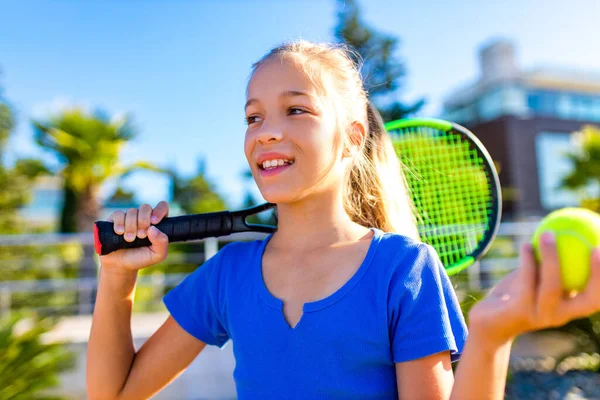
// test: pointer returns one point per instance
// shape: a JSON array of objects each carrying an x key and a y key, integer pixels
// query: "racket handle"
[
  {"x": 177, "y": 229},
  {"x": 183, "y": 228}
]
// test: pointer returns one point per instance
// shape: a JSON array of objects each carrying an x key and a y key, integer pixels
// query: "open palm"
[{"x": 532, "y": 297}]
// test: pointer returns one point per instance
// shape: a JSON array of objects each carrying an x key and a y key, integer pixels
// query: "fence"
[{"x": 63, "y": 269}]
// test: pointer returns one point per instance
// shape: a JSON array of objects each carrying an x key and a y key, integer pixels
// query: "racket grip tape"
[{"x": 177, "y": 229}]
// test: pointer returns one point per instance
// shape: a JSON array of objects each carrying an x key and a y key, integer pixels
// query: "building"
[
  {"x": 526, "y": 120},
  {"x": 42, "y": 212}
]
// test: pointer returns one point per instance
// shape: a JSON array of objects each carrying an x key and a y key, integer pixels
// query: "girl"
[{"x": 342, "y": 301}]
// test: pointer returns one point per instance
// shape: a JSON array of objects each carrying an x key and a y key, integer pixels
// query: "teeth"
[{"x": 275, "y": 163}]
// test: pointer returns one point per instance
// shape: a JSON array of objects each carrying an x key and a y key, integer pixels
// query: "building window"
[
  {"x": 564, "y": 105},
  {"x": 543, "y": 103},
  {"x": 552, "y": 166}
]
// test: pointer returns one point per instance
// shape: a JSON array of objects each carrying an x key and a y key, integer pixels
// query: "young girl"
[{"x": 342, "y": 301}]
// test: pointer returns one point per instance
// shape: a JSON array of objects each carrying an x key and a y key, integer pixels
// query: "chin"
[{"x": 277, "y": 198}]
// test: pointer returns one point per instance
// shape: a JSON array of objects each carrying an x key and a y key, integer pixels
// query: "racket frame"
[{"x": 496, "y": 215}]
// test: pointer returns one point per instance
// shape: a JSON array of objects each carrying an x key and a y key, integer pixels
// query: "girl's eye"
[
  {"x": 296, "y": 111},
  {"x": 251, "y": 119}
]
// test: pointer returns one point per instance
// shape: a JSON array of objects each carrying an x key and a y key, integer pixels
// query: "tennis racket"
[
  {"x": 450, "y": 177},
  {"x": 454, "y": 187}
]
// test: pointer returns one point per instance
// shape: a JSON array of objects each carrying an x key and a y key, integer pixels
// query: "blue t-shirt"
[{"x": 398, "y": 306}]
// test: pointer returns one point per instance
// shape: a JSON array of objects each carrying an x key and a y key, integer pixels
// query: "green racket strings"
[{"x": 450, "y": 189}]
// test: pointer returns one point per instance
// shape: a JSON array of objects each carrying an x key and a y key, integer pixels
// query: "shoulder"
[
  {"x": 236, "y": 250},
  {"x": 404, "y": 262},
  {"x": 233, "y": 251},
  {"x": 235, "y": 256},
  {"x": 404, "y": 253}
]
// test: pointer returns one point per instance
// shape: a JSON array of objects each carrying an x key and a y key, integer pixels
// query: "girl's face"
[{"x": 291, "y": 142}]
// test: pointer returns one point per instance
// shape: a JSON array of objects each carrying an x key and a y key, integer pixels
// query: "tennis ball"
[{"x": 577, "y": 232}]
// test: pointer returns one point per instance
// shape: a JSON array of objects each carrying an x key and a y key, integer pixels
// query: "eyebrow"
[{"x": 287, "y": 93}]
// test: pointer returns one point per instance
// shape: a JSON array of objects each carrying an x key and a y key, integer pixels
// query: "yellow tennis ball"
[{"x": 577, "y": 232}]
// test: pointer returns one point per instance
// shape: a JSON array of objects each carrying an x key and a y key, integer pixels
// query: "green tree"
[
  {"x": 27, "y": 366},
  {"x": 15, "y": 182},
  {"x": 382, "y": 70},
  {"x": 585, "y": 167},
  {"x": 195, "y": 194},
  {"x": 88, "y": 146},
  {"x": 249, "y": 199},
  {"x": 122, "y": 196},
  {"x": 266, "y": 217}
]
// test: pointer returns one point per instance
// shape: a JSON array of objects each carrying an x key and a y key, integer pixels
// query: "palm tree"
[
  {"x": 88, "y": 147},
  {"x": 585, "y": 162}
]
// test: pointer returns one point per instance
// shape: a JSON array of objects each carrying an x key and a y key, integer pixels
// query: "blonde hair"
[{"x": 376, "y": 193}]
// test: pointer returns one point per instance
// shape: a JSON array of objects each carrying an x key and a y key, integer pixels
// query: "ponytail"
[{"x": 377, "y": 193}]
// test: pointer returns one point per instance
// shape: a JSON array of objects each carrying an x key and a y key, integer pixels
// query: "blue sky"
[{"x": 180, "y": 67}]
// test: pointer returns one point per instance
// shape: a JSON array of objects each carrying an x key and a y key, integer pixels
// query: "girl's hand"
[
  {"x": 137, "y": 223},
  {"x": 532, "y": 297}
]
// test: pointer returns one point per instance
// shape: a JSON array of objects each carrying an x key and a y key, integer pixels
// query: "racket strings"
[{"x": 450, "y": 188}]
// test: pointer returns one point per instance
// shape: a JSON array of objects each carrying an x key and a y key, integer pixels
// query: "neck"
[{"x": 315, "y": 222}]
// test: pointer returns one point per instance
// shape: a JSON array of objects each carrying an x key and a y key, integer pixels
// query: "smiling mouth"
[{"x": 272, "y": 164}]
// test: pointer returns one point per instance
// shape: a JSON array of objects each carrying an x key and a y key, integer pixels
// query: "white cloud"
[
  {"x": 61, "y": 103},
  {"x": 56, "y": 105}
]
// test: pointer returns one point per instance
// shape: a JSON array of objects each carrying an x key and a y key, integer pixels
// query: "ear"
[{"x": 357, "y": 134}]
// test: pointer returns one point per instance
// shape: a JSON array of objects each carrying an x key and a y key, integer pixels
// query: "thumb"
[{"x": 160, "y": 243}]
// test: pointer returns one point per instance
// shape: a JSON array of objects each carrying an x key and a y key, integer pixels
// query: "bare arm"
[
  {"x": 110, "y": 347},
  {"x": 160, "y": 360},
  {"x": 481, "y": 374},
  {"x": 529, "y": 298},
  {"x": 427, "y": 378},
  {"x": 114, "y": 370}
]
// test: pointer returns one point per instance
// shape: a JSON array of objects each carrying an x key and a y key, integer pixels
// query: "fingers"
[
  {"x": 160, "y": 211},
  {"x": 131, "y": 224},
  {"x": 160, "y": 244},
  {"x": 550, "y": 290},
  {"x": 588, "y": 301},
  {"x": 118, "y": 219},
  {"x": 528, "y": 275},
  {"x": 143, "y": 220},
  {"x": 136, "y": 221}
]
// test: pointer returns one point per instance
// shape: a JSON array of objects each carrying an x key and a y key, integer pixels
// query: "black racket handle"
[{"x": 182, "y": 228}]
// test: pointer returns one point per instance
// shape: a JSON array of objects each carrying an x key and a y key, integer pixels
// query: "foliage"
[
  {"x": 381, "y": 69},
  {"x": 266, "y": 217},
  {"x": 121, "y": 196},
  {"x": 585, "y": 167},
  {"x": 29, "y": 366},
  {"x": 15, "y": 182},
  {"x": 88, "y": 147},
  {"x": 195, "y": 194}
]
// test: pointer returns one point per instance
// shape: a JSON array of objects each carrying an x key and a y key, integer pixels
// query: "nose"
[{"x": 269, "y": 133}]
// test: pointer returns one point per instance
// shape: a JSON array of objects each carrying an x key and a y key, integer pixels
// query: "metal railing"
[{"x": 80, "y": 291}]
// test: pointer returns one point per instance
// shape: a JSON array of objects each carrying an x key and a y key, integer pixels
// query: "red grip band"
[{"x": 97, "y": 244}]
